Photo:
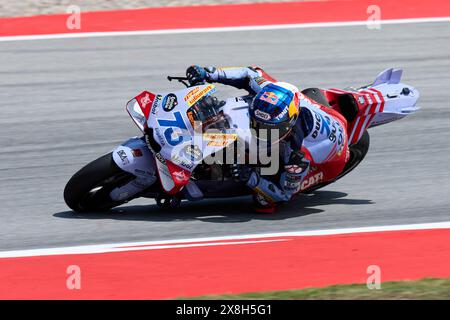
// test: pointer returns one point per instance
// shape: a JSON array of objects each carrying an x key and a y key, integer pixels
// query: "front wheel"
[{"x": 89, "y": 188}]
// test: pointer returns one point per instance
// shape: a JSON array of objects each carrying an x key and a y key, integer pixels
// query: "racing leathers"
[{"x": 268, "y": 190}]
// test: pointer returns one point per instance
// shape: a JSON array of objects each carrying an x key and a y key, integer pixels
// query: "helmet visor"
[{"x": 267, "y": 132}]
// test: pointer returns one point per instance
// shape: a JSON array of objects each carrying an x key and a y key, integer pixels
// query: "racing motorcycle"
[{"x": 167, "y": 162}]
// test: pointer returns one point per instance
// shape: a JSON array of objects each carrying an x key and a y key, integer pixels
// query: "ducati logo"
[
  {"x": 145, "y": 100},
  {"x": 181, "y": 176},
  {"x": 309, "y": 182}
]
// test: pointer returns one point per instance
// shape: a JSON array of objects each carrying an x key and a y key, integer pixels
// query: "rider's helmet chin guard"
[{"x": 275, "y": 107}]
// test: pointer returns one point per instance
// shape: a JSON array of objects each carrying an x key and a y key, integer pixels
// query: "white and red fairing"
[
  {"x": 385, "y": 100},
  {"x": 172, "y": 177},
  {"x": 174, "y": 131}
]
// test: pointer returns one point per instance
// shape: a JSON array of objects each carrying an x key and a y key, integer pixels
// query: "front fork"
[{"x": 135, "y": 157}]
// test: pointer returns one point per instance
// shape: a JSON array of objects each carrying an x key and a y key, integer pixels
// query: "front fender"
[{"x": 135, "y": 157}]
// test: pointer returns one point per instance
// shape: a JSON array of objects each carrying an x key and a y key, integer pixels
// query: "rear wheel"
[
  {"x": 357, "y": 153},
  {"x": 89, "y": 188}
]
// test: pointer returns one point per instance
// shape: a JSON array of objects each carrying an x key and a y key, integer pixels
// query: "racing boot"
[{"x": 262, "y": 205}]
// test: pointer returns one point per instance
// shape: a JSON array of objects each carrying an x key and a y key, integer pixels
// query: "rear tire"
[
  {"x": 89, "y": 188},
  {"x": 357, "y": 153}
]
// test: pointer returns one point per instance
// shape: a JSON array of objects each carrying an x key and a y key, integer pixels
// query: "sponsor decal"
[
  {"x": 194, "y": 123},
  {"x": 317, "y": 125},
  {"x": 293, "y": 169},
  {"x": 191, "y": 93},
  {"x": 161, "y": 139},
  {"x": 219, "y": 139},
  {"x": 145, "y": 100},
  {"x": 156, "y": 104},
  {"x": 262, "y": 115},
  {"x": 197, "y": 93},
  {"x": 181, "y": 162},
  {"x": 170, "y": 102},
  {"x": 293, "y": 178},
  {"x": 180, "y": 176},
  {"x": 282, "y": 114},
  {"x": 313, "y": 180},
  {"x": 219, "y": 143},
  {"x": 292, "y": 183},
  {"x": 260, "y": 80},
  {"x": 193, "y": 152},
  {"x": 324, "y": 124},
  {"x": 123, "y": 156},
  {"x": 262, "y": 197},
  {"x": 293, "y": 187},
  {"x": 160, "y": 158},
  {"x": 331, "y": 134},
  {"x": 137, "y": 153},
  {"x": 270, "y": 97}
]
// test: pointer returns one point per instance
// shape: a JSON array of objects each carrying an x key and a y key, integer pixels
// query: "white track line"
[
  {"x": 212, "y": 241},
  {"x": 223, "y": 29}
]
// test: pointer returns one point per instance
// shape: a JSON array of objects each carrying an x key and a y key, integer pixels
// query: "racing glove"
[
  {"x": 295, "y": 170},
  {"x": 196, "y": 75},
  {"x": 297, "y": 164}
]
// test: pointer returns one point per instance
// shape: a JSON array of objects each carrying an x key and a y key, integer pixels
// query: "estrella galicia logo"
[
  {"x": 193, "y": 152},
  {"x": 170, "y": 102}
]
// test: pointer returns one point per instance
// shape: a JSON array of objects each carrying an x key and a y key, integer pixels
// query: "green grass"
[{"x": 426, "y": 289}]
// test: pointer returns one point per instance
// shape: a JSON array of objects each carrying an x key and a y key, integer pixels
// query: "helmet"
[{"x": 276, "y": 106}]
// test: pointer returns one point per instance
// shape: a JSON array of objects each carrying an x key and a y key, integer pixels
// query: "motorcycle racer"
[
  {"x": 335, "y": 141},
  {"x": 276, "y": 105}
]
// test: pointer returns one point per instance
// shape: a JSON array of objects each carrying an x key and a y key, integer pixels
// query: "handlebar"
[{"x": 179, "y": 79}]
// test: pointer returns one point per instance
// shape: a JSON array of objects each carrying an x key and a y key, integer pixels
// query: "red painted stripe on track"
[
  {"x": 313, "y": 261},
  {"x": 224, "y": 16}
]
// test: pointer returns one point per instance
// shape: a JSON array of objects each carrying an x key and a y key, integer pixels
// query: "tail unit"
[{"x": 383, "y": 101}]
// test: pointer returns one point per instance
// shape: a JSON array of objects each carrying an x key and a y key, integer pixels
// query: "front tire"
[{"x": 88, "y": 190}]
